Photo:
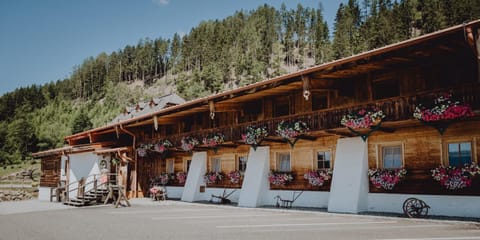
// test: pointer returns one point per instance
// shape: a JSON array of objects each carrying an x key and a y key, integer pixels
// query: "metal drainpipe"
[{"x": 134, "y": 157}]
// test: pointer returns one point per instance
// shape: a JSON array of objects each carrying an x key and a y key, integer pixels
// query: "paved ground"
[{"x": 177, "y": 220}]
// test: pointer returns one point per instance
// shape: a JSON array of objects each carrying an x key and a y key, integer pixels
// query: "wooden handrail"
[
  {"x": 395, "y": 109},
  {"x": 95, "y": 180}
]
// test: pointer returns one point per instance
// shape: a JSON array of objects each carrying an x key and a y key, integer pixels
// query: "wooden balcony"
[{"x": 398, "y": 111}]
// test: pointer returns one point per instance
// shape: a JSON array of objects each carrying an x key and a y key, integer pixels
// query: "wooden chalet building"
[{"x": 394, "y": 79}]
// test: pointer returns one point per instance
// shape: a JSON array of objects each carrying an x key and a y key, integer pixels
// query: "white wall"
[
  {"x": 442, "y": 205},
  {"x": 174, "y": 192},
  {"x": 207, "y": 195},
  {"x": 198, "y": 167},
  {"x": 44, "y": 193},
  {"x": 255, "y": 182},
  {"x": 314, "y": 199},
  {"x": 83, "y": 165},
  {"x": 349, "y": 190}
]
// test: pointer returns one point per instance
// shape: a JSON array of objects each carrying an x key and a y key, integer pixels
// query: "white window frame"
[
  {"x": 315, "y": 158},
  {"x": 445, "y": 156},
  {"x": 277, "y": 161},
  {"x": 472, "y": 150},
  {"x": 379, "y": 150}
]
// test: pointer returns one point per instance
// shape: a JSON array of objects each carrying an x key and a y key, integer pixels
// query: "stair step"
[{"x": 72, "y": 203}]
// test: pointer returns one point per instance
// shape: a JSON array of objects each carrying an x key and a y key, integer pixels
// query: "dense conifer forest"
[{"x": 214, "y": 56}]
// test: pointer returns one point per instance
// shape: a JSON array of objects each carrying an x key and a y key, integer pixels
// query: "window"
[
  {"x": 323, "y": 160},
  {"x": 242, "y": 163},
  {"x": 392, "y": 157},
  {"x": 386, "y": 89},
  {"x": 216, "y": 165},
  {"x": 459, "y": 153},
  {"x": 170, "y": 165},
  {"x": 283, "y": 162},
  {"x": 187, "y": 165}
]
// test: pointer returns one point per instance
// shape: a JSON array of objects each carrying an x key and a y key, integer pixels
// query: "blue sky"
[{"x": 42, "y": 40}]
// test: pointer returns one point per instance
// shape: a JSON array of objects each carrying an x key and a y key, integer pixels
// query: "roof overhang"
[{"x": 280, "y": 82}]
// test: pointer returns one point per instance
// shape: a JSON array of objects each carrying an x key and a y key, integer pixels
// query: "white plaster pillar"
[
  {"x": 255, "y": 182},
  {"x": 349, "y": 190},
  {"x": 198, "y": 167}
]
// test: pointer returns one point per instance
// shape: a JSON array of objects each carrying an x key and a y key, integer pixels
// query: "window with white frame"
[
  {"x": 216, "y": 165},
  {"x": 324, "y": 159},
  {"x": 170, "y": 165},
  {"x": 242, "y": 163},
  {"x": 459, "y": 153},
  {"x": 392, "y": 157},
  {"x": 283, "y": 162}
]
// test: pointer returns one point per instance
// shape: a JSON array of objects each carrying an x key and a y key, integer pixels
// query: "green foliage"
[
  {"x": 81, "y": 122},
  {"x": 241, "y": 49}
]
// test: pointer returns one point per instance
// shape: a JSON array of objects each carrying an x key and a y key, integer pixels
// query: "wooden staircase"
[
  {"x": 89, "y": 193},
  {"x": 92, "y": 197}
]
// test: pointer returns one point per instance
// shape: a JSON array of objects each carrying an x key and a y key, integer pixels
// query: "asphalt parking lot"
[{"x": 178, "y": 220}]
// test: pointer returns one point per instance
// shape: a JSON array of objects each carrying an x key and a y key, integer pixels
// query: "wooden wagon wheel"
[{"x": 414, "y": 208}]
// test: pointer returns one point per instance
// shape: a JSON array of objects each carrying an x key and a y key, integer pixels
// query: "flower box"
[
  {"x": 386, "y": 178},
  {"x": 181, "y": 177},
  {"x": 280, "y": 178},
  {"x": 214, "y": 140},
  {"x": 235, "y": 176},
  {"x": 162, "y": 146},
  {"x": 443, "y": 107},
  {"x": 318, "y": 178},
  {"x": 291, "y": 130},
  {"x": 254, "y": 136},
  {"x": 213, "y": 177},
  {"x": 142, "y": 150},
  {"x": 189, "y": 143},
  {"x": 453, "y": 178},
  {"x": 363, "y": 118}
]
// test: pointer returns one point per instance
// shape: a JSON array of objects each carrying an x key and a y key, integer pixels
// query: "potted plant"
[
  {"x": 443, "y": 107},
  {"x": 213, "y": 177},
  {"x": 234, "y": 176},
  {"x": 386, "y": 178},
  {"x": 162, "y": 146},
  {"x": 213, "y": 140},
  {"x": 364, "y": 118},
  {"x": 318, "y": 178},
  {"x": 291, "y": 131},
  {"x": 280, "y": 178},
  {"x": 181, "y": 177},
  {"x": 189, "y": 143},
  {"x": 143, "y": 149},
  {"x": 254, "y": 136},
  {"x": 453, "y": 178},
  {"x": 440, "y": 113}
]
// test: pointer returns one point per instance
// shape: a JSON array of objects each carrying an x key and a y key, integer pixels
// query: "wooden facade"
[
  {"x": 50, "y": 168},
  {"x": 394, "y": 79}
]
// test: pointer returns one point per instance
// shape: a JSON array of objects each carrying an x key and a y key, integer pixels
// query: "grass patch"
[{"x": 10, "y": 169}]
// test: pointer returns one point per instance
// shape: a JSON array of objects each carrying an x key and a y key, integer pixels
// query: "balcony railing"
[{"x": 395, "y": 109}]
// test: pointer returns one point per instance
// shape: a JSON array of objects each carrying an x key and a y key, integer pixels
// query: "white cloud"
[{"x": 160, "y": 2}]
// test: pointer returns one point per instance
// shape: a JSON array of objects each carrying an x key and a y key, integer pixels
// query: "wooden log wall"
[
  {"x": 303, "y": 159},
  {"x": 50, "y": 168},
  {"x": 423, "y": 150}
]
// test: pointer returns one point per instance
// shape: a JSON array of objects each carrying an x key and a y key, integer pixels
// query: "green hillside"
[{"x": 214, "y": 56}]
